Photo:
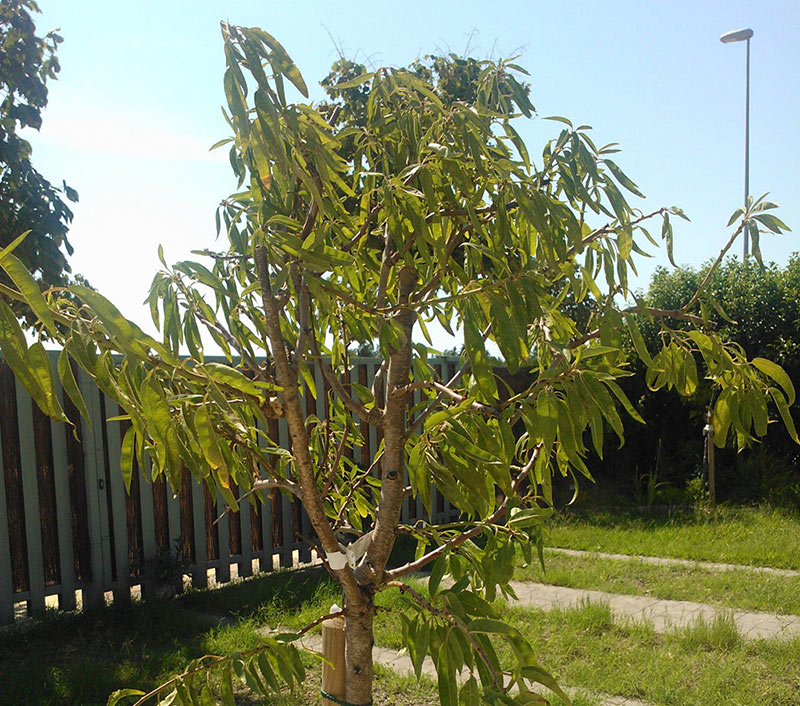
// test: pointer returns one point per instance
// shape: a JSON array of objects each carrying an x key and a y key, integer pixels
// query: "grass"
[
  {"x": 740, "y": 588},
  {"x": 749, "y": 536},
  {"x": 81, "y": 659},
  {"x": 705, "y": 664}
]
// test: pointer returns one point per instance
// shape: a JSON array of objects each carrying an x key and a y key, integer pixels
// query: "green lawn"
[
  {"x": 742, "y": 589},
  {"x": 750, "y": 536},
  {"x": 707, "y": 665}
]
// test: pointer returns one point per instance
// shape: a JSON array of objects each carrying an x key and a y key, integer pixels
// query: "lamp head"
[{"x": 738, "y": 35}]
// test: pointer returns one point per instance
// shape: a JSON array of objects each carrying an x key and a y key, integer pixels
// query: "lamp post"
[{"x": 741, "y": 35}]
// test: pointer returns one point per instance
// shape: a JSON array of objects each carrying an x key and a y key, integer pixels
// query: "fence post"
[{"x": 333, "y": 669}]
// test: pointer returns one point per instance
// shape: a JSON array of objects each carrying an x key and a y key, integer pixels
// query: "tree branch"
[
  {"x": 296, "y": 422},
  {"x": 715, "y": 265},
  {"x": 474, "y": 532}
]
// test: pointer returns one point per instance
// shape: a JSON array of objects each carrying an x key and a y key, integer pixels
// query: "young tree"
[
  {"x": 28, "y": 202},
  {"x": 431, "y": 209}
]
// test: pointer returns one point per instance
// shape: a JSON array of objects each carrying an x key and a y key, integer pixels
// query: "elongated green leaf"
[
  {"x": 638, "y": 342},
  {"x": 476, "y": 351},
  {"x": 437, "y": 572},
  {"x": 120, "y": 694},
  {"x": 232, "y": 377},
  {"x": 126, "y": 457},
  {"x": 70, "y": 385},
  {"x": 27, "y": 286},
  {"x": 620, "y": 176},
  {"x": 778, "y": 374},
  {"x": 12, "y": 245},
  {"x": 786, "y": 415},
  {"x": 44, "y": 393},
  {"x": 162, "y": 429}
]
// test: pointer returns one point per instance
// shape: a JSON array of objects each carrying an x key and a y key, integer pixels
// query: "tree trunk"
[{"x": 358, "y": 649}]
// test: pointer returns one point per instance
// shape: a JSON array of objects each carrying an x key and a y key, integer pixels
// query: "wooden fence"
[{"x": 71, "y": 537}]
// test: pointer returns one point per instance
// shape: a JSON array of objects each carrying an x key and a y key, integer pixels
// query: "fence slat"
[
  {"x": 12, "y": 479},
  {"x": 58, "y": 433},
  {"x": 199, "y": 575},
  {"x": 224, "y": 568},
  {"x": 30, "y": 491},
  {"x": 93, "y": 465},
  {"x": 6, "y": 585},
  {"x": 148, "y": 525},
  {"x": 287, "y": 529},
  {"x": 118, "y": 519},
  {"x": 245, "y": 541}
]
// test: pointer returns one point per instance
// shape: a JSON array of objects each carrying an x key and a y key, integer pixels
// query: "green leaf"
[
  {"x": 786, "y": 415},
  {"x": 12, "y": 245},
  {"x": 775, "y": 224},
  {"x": 226, "y": 375},
  {"x": 446, "y": 673},
  {"x": 778, "y": 374},
  {"x": 121, "y": 694},
  {"x": 638, "y": 342},
  {"x": 161, "y": 427},
  {"x": 126, "y": 457},
  {"x": 538, "y": 675},
  {"x": 44, "y": 392},
  {"x": 28, "y": 288},
  {"x": 491, "y": 625},
  {"x": 437, "y": 572},
  {"x": 353, "y": 83},
  {"x": 70, "y": 385},
  {"x": 620, "y": 176},
  {"x": 281, "y": 61},
  {"x": 476, "y": 351}
]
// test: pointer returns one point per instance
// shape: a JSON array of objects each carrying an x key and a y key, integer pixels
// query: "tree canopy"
[
  {"x": 427, "y": 206},
  {"x": 28, "y": 201}
]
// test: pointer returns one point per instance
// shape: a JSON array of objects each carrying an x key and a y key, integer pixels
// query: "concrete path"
[
  {"x": 665, "y": 561},
  {"x": 662, "y": 614}
]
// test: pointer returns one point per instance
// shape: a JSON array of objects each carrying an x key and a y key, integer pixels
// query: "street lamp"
[{"x": 741, "y": 35}]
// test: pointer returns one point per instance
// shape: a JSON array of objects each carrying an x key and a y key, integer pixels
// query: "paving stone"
[{"x": 662, "y": 614}]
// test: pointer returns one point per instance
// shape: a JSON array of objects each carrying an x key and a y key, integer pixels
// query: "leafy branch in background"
[
  {"x": 354, "y": 227},
  {"x": 28, "y": 201}
]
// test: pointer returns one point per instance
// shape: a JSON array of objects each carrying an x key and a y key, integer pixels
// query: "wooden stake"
[
  {"x": 712, "y": 481},
  {"x": 333, "y": 674}
]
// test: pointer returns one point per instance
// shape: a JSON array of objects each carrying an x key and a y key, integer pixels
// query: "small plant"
[
  {"x": 163, "y": 574},
  {"x": 697, "y": 491}
]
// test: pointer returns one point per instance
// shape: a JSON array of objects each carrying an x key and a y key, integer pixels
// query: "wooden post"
[
  {"x": 333, "y": 674},
  {"x": 712, "y": 481}
]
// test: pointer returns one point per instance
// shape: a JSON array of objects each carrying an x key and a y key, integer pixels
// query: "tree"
[
  {"x": 28, "y": 202},
  {"x": 431, "y": 210},
  {"x": 758, "y": 308}
]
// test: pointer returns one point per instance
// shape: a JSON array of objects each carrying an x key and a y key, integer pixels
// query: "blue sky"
[{"x": 136, "y": 106}]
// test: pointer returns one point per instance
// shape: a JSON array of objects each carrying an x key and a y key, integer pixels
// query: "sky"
[{"x": 137, "y": 105}]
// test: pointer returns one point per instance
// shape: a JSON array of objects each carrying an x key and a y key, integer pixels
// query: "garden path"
[{"x": 667, "y": 561}]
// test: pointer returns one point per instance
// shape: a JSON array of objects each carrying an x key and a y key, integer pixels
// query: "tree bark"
[{"x": 359, "y": 615}]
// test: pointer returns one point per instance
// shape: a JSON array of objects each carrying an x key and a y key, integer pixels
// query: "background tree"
[
  {"x": 758, "y": 308},
  {"x": 431, "y": 210},
  {"x": 28, "y": 201}
]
